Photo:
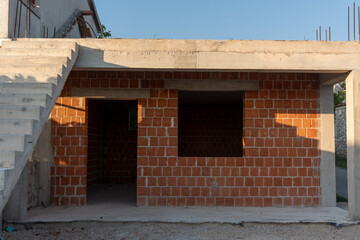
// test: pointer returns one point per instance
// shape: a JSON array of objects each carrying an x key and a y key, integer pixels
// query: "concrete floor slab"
[
  {"x": 114, "y": 213},
  {"x": 116, "y": 203}
]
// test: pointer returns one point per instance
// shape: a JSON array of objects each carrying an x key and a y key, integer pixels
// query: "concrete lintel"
[
  {"x": 212, "y": 85},
  {"x": 112, "y": 93},
  {"x": 332, "y": 78},
  {"x": 327, "y": 146}
]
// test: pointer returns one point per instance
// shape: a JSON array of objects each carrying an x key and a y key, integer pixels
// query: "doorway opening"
[{"x": 112, "y": 152}]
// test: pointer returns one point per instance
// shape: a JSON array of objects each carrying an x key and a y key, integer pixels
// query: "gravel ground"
[{"x": 168, "y": 231}]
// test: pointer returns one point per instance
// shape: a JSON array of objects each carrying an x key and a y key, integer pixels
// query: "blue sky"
[{"x": 225, "y": 19}]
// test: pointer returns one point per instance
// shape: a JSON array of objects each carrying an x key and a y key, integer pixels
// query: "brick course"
[{"x": 281, "y": 157}]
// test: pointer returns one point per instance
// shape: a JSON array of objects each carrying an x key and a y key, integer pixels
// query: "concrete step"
[
  {"x": 36, "y": 52},
  {"x": 26, "y": 78},
  {"x": 39, "y": 43},
  {"x": 7, "y": 159},
  {"x": 12, "y": 142},
  {"x": 32, "y": 73},
  {"x": 32, "y": 69},
  {"x": 32, "y": 88},
  {"x": 24, "y": 99},
  {"x": 20, "y": 112},
  {"x": 33, "y": 60},
  {"x": 17, "y": 126}
]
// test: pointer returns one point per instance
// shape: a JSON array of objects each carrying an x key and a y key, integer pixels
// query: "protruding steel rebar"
[
  {"x": 359, "y": 21},
  {"x": 329, "y": 33},
  {"x": 354, "y": 24},
  {"x": 348, "y": 23},
  {"x": 320, "y": 33},
  {"x": 326, "y": 32},
  {"x": 317, "y": 34}
]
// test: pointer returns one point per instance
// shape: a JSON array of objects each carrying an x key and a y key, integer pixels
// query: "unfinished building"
[{"x": 185, "y": 123}]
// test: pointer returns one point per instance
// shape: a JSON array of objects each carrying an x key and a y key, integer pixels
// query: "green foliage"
[
  {"x": 104, "y": 33},
  {"x": 339, "y": 97},
  {"x": 340, "y": 161},
  {"x": 341, "y": 199}
]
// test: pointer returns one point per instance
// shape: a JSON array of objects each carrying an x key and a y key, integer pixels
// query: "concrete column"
[
  {"x": 353, "y": 142},
  {"x": 4, "y": 18},
  {"x": 16, "y": 207},
  {"x": 327, "y": 146}
]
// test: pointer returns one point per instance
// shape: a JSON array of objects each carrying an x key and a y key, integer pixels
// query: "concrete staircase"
[{"x": 32, "y": 76}]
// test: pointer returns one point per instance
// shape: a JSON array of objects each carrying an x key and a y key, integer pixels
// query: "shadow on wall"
[{"x": 281, "y": 158}]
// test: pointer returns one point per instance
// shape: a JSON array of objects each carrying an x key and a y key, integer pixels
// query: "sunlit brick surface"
[{"x": 281, "y": 157}]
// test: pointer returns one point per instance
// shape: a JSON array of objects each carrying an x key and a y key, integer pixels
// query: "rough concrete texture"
[
  {"x": 327, "y": 145},
  {"x": 24, "y": 144},
  {"x": 329, "y": 57},
  {"x": 353, "y": 141},
  {"x": 106, "y": 212},
  {"x": 39, "y": 170},
  {"x": 16, "y": 208},
  {"x": 4, "y": 18},
  {"x": 169, "y": 231},
  {"x": 340, "y": 130}
]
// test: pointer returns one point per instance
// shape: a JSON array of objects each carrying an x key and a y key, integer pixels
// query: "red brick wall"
[
  {"x": 280, "y": 166},
  {"x": 69, "y": 139}
]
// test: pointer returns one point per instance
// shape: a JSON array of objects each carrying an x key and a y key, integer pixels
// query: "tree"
[
  {"x": 104, "y": 33},
  {"x": 340, "y": 96}
]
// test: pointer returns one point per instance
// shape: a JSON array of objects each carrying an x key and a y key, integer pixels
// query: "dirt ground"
[{"x": 122, "y": 231}]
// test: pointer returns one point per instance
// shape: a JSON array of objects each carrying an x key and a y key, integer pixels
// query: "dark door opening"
[{"x": 112, "y": 152}]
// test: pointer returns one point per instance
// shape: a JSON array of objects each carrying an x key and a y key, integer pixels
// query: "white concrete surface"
[
  {"x": 39, "y": 164},
  {"x": 4, "y": 18},
  {"x": 19, "y": 89},
  {"x": 333, "y": 58},
  {"x": 327, "y": 146},
  {"x": 115, "y": 213},
  {"x": 116, "y": 203},
  {"x": 353, "y": 142}
]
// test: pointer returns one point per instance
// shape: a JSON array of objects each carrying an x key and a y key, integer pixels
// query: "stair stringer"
[{"x": 10, "y": 176}]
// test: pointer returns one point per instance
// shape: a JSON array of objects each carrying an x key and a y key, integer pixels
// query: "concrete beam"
[
  {"x": 168, "y": 54},
  {"x": 332, "y": 78},
  {"x": 212, "y": 85},
  {"x": 353, "y": 142},
  {"x": 217, "y": 55},
  {"x": 327, "y": 146},
  {"x": 112, "y": 93}
]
